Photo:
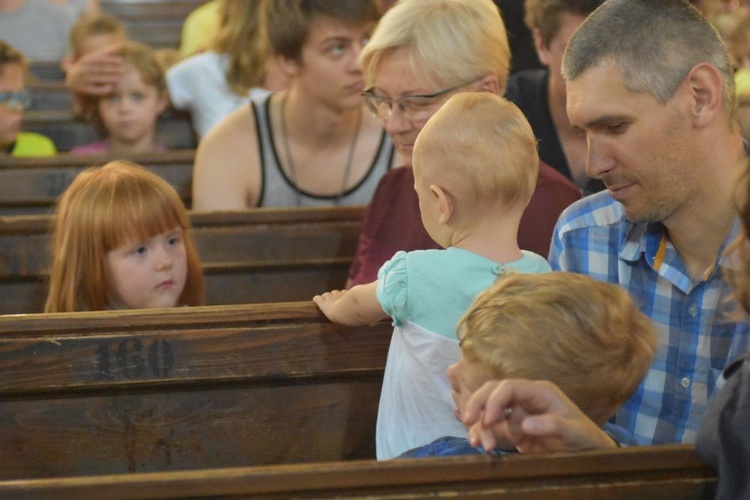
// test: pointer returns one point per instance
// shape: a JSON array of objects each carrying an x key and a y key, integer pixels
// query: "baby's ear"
[{"x": 445, "y": 203}]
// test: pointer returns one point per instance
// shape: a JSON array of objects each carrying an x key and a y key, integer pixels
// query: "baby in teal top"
[
  {"x": 475, "y": 166},
  {"x": 427, "y": 287}
]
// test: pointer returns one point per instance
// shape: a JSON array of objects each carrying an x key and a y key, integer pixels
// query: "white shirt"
[{"x": 199, "y": 85}]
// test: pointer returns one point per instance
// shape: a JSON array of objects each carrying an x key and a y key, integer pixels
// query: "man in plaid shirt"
[{"x": 650, "y": 84}]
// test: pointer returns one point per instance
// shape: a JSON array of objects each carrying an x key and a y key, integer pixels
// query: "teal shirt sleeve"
[{"x": 391, "y": 290}]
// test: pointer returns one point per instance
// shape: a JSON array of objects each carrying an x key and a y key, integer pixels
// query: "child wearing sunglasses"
[{"x": 13, "y": 99}]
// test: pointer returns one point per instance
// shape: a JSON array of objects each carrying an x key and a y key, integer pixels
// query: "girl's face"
[
  {"x": 130, "y": 112},
  {"x": 147, "y": 274}
]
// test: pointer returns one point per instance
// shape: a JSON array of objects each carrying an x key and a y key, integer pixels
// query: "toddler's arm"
[{"x": 354, "y": 307}]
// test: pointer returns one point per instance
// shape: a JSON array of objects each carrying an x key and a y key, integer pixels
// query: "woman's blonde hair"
[
  {"x": 448, "y": 41},
  {"x": 586, "y": 336},
  {"x": 104, "y": 208},
  {"x": 242, "y": 37}
]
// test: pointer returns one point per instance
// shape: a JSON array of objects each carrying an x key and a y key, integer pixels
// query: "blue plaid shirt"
[{"x": 698, "y": 338}]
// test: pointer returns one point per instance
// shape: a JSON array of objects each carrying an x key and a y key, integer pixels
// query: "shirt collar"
[{"x": 650, "y": 240}]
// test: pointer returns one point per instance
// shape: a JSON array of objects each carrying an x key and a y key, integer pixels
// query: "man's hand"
[{"x": 534, "y": 416}]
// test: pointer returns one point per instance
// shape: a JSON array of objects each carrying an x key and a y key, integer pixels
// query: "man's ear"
[
  {"x": 542, "y": 51},
  {"x": 706, "y": 91},
  {"x": 446, "y": 207}
]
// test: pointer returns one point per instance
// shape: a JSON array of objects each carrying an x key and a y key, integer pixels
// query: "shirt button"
[
  {"x": 685, "y": 382},
  {"x": 693, "y": 310},
  {"x": 498, "y": 270}
]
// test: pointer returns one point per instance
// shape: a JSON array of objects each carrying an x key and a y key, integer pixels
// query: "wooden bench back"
[
  {"x": 263, "y": 255},
  {"x": 32, "y": 185},
  {"x": 655, "y": 472},
  {"x": 174, "y": 130},
  {"x": 45, "y": 71},
  {"x": 157, "y": 23},
  {"x": 185, "y": 388},
  {"x": 49, "y": 95}
]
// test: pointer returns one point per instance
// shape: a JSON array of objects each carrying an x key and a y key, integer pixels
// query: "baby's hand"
[{"x": 327, "y": 301}]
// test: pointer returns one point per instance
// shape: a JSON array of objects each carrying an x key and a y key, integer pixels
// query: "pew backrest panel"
[
  {"x": 32, "y": 185},
  {"x": 157, "y": 23},
  {"x": 656, "y": 472},
  {"x": 186, "y": 388},
  {"x": 174, "y": 130}
]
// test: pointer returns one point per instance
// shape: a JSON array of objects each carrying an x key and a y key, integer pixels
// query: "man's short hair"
[{"x": 655, "y": 43}]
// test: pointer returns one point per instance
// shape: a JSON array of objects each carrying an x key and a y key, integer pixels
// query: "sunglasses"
[{"x": 15, "y": 100}]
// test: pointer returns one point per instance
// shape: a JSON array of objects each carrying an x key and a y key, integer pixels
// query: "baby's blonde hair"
[
  {"x": 586, "y": 336},
  {"x": 104, "y": 208},
  {"x": 481, "y": 148}
]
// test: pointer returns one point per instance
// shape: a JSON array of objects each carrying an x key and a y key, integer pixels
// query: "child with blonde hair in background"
[
  {"x": 121, "y": 240},
  {"x": 475, "y": 167},
  {"x": 90, "y": 36},
  {"x": 130, "y": 112}
]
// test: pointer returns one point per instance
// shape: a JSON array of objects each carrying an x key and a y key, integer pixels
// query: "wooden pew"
[
  {"x": 656, "y": 472},
  {"x": 32, "y": 185},
  {"x": 263, "y": 255},
  {"x": 46, "y": 71},
  {"x": 157, "y": 23},
  {"x": 185, "y": 388},
  {"x": 174, "y": 130},
  {"x": 49, "y": 95}
]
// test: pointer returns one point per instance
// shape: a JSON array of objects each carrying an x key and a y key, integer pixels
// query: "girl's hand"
[{"x": 327, "y": 301}]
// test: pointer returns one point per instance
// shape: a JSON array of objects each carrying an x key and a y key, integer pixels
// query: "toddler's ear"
[{"x": 445, "y": 203}]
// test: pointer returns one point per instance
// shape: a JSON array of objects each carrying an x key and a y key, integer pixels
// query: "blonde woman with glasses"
[{"x": 422, "y": 53}]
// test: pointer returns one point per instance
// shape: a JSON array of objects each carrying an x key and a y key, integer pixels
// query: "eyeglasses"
[
  {"x": 414, "y": 107},
  {"x": 15, "y": 100}
]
